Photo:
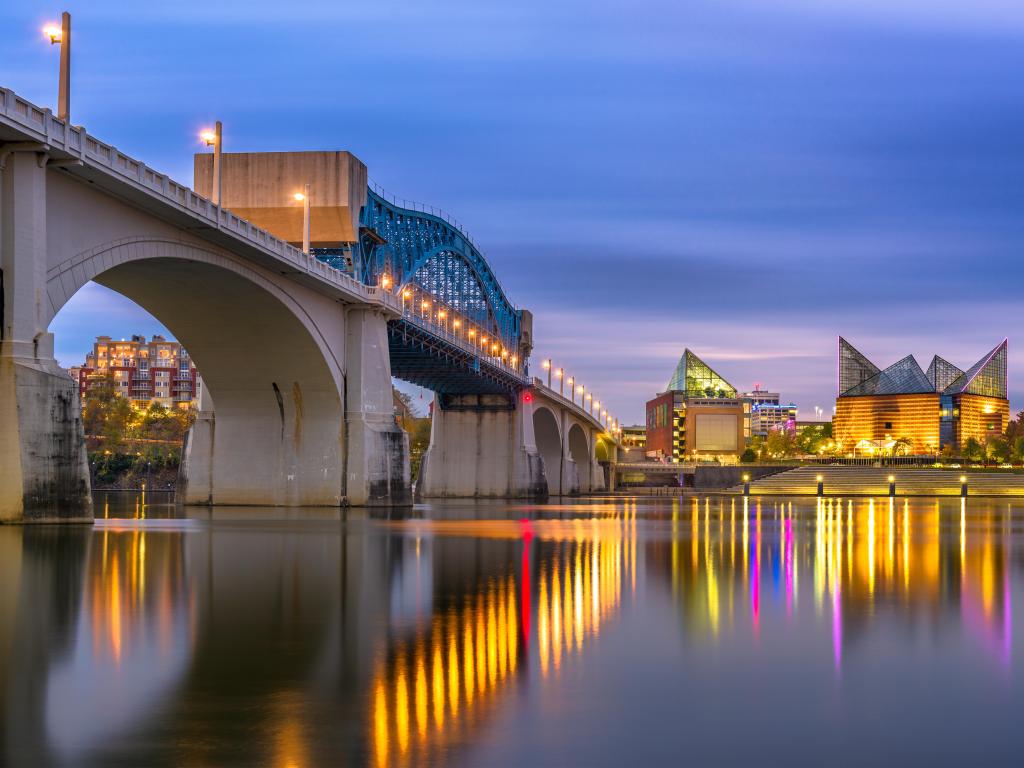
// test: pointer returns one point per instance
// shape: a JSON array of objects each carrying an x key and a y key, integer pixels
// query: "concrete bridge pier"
[
  {"x": 313, "y": 441},
  {"x": 44, "y": 475},
  {"x": 377, "y": 449},
  {"x": 482, "y": 446}
]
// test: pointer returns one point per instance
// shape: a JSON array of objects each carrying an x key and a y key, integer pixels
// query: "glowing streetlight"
[
  {"x": 302, "y": 197},
  {"x": 62, "y": 35},
  {"x": 213, "y": 138},
  {"x": 560, "y": 375},
  {"x": 547, "y": 367},
  {"x": 385, "y": 282}
]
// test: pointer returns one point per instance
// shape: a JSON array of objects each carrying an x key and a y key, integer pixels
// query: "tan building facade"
[{"x": 699, "y": 417}]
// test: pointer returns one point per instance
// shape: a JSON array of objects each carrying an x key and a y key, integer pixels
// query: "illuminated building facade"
[
  {"x": 699, "y": 416},
  {"x": 634, "y": 437},
  {"x": 768, "y": 412},
  {"x": 143, "y": 371},
  {"x": 906, "y": 409}
]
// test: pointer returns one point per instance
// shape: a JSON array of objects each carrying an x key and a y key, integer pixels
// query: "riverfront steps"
[{"x": 874, "y": 481}]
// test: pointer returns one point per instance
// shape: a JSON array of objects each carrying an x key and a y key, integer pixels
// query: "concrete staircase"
[{"x": 873, "y": 481}]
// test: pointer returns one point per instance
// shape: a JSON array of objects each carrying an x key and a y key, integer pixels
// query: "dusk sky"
[{"x": 747, "y": 178}]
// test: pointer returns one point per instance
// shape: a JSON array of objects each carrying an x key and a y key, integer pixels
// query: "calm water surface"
[{"x": 636, "y": 631}]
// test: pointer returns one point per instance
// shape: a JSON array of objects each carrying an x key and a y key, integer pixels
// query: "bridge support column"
[
  {"x": 482, "y": 446},
  {"x": 597, "y": 480},
  {"x": 376, "y": 448},
  {"x": 195, "y": 475},
  {"x": 43, "y": 470},
  {"x": 571, "y": 480}
]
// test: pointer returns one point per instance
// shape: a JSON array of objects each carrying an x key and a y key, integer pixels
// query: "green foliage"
[
  {"x": 999, "y": 449},
  {"x": 127, "y": 445},
  {"x": 972, "y": 450},
  {"x": 780, "y": 444},
  {"x": 748, "y": 456},
  {"x": 106, "y": 415}
]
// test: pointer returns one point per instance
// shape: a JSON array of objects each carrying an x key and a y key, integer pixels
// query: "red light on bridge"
[{"x": 527, "y": 397}]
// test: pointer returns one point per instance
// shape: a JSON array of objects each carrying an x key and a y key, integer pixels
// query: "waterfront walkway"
[{"x": 874, "y": 481}]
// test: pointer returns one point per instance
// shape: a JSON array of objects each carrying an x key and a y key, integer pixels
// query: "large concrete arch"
[
  {"x": 577, "y": 446},
  {"x": 169, "y": 259},
  {"x": 276, "y": 383},
  {"x": 549, "y": 446}
]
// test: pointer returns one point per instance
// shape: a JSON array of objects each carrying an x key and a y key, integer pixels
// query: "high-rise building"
[
  {"x": 768, "y": 412},
  {"x": 923, "y": 410},
  {"x": 143, "y": 371},
  {"x": 698, "y": 416}
]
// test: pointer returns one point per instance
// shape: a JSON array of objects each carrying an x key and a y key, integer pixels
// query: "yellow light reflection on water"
[{"x": 433, "y": 685}]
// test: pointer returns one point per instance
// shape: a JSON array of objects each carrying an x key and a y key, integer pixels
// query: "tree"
[
  {"x": 903, "y": 446},
  {"x": 749, "y": 456},
  {"x": 105, "y": 414},
  {"x": 972, "y": 450},
  {"x": 1015, "y": 428},
  {"x": 780, "y": 444},
  {"x": 811, "y": 439},
  {"x": 419, "y": 441},
  {"x": 998, "y": 449}
]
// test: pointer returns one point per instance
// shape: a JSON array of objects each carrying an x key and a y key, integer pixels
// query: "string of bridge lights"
[
  {"x": 425, "y": 308},
  {"x": 587, "y": 400}
]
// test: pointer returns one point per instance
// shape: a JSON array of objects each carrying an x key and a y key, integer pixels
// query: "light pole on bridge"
[
  {"x": 547, "y": 367},
  {"x": 560, "y": 375},
  {"x": 62, "y": 35},
  {"x": 303, "y": 196},
  {"x": 214, "y": 139}
]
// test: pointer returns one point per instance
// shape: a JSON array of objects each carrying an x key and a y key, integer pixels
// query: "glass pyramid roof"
[
  {"x": 901, "y": 378},
  {"x": 986, "y": 377},
  {"x": 859, "y": 376},
  {"x": 941, "y": 373},
  {"x": 697, "y": 379},
  {"x": 854, "y": 368}
]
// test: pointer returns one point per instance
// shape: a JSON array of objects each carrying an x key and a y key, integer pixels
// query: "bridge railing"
[
  {"x": 457, "y": 338},
  {"x": 414, "y": 205},
  {"x": 575, "y": 407}
]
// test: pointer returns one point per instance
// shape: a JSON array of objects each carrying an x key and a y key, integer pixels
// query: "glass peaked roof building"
[
  {"x": 697, "y": 379},
  {"x": 921, "y": 410},
  {"x": 858, "y": 376},
  {"x": 700, "y": 416}
]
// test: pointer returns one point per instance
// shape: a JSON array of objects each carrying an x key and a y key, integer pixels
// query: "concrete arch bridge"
[{"x": 297, "y": 349}]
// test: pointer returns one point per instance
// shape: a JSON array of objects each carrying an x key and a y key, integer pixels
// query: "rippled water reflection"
[{"x": 710, "y": 631}]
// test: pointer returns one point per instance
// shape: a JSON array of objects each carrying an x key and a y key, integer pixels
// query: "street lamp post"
[
  {"x": 63, "y": 36},
  {"x": 572, "y": 389},
  {"x": 547, "y": 367},
  {"x": 560, "y": 375},
  {"x": 303, "y": 196},
  {"x": 213, "y": 139}
]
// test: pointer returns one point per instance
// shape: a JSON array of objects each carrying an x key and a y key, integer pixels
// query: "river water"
[{"x": 696, "y": 631}]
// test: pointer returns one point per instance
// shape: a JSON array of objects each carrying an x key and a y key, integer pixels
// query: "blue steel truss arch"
[{"x": 426, "y": 250}]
